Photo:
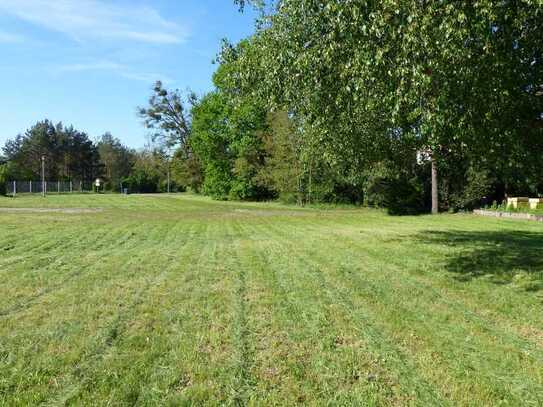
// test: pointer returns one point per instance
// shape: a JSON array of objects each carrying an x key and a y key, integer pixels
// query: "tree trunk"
[
  {"x": 435, "y": 195},
  {"x": 310, "y": 180}
]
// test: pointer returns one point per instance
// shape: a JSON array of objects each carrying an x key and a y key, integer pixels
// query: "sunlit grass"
[{"x": 178, "y": 299}]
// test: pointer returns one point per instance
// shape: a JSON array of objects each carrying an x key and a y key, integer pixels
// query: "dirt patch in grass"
[
  {"x": 268, "y": 212},
  {"x": 52, "y": 210}
]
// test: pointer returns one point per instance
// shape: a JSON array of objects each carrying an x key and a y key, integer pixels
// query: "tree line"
[
  {"x": 68, "y": 154},
  {"x": 411, "y": 105}
]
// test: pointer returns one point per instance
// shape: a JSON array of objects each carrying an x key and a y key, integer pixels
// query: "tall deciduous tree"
[
  {"x": 167, "y": 116},
  {"x": 227, "y": 137},
  {"x": 372, "y": 78}
]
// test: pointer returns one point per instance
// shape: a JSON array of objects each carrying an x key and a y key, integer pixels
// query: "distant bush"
[
  {"x": 289, "y": 198},
  {"x": 399, "y": 192},
  {"x": 141, "y": 182},
  {"x": 399, "y": 195},
  {"x": 345, "y": 193},
  {"x": 174, "y": 186},
  {"x": 476, "y": 186}
]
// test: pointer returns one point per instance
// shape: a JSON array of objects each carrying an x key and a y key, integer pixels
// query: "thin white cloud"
[
  {"x": 97, "y": 20},
  {"x": 10, "y": 38},
  {"x": 118, "y": 69},
  {"x": 146, "y": 77},
  {"x": 93, "y": 66}
]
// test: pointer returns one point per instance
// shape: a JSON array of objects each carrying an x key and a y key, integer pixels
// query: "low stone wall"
[{"x": 509, "y": 215}]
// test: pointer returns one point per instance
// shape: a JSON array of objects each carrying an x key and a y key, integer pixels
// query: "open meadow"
[{"x": 180, "y": 300}]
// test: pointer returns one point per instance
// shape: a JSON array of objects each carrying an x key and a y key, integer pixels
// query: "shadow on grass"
[{"x": 501, "y": 257}]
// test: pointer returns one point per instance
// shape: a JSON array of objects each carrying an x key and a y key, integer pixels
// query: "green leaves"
[
  {"x": 226, "y": 138},
  {"x": 371, "y": 79},
  {"x": 167, "y": 116}
]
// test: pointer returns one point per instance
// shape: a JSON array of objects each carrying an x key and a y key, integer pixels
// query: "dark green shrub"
[
  {"x": 399, "y": 195},
  {"x": 290, "y": 198},
  {"x": 477, "y": 185},
  {"x": 217, "y": 180},
  {"x": 142, "y": 182}
]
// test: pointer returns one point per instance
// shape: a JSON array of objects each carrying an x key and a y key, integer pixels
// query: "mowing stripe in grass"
[
  {"x": 244, "y": 380},
  {"x": 483, "y": 304},
  {"x": 113, "y": 333},
  {"x": 285, "y": 339},
  {"x": 379, "y": 293},
  {"x": 62, "y": 282},
  {"x": 206, "y": 372},
  {"x": 256, "y": 304},
  {"x": 444, "y": 293},
  {"x": 98, "y": 337},
  {"x": 386, "y": 352},
  {"x": 201, "y": 319}
]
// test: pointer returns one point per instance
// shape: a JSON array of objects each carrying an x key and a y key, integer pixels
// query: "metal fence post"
[
  {"x": 30, "y": 184},
  {"x": 14, "y": 188},
  {"x": 71, "y": 187}
]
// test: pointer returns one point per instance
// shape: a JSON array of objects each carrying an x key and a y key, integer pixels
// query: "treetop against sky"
[{"x": 92, "y": 62}]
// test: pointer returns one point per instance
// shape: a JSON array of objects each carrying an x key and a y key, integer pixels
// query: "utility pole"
[{"x": 43, "y": 175}]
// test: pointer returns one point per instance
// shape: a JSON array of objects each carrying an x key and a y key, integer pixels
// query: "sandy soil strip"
[{"x": 52, "y": 210}]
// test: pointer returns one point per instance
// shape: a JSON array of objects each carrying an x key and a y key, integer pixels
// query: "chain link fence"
[{"x": 48, "y": 187}]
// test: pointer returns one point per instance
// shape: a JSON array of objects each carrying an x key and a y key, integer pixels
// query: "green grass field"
[{"x": 180, "y": 300}]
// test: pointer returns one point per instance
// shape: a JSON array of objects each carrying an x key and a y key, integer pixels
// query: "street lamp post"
[{"x": 43, "y": 175}]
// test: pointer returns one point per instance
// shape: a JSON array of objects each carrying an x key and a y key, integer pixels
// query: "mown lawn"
[{"x": 158, "y": 300}]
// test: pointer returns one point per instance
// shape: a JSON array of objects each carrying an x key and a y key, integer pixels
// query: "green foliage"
[
  {"x": 328, "y": 100},
  {"x": 141, "y": 181},
  {"x": 116, "y": 159},
  {"x": 167, "y": 116},
  {"x": 217, "y": 179},
  {"x": 210, "y": 142},
  {"x": 69, "y": 154},
  {"x": 282, "y": 170},
  {"x": 400, "y": 192},
  {"x": 4, "y": 178},
  {"x": 227, "y": 139},
  {"x": 296, "y": 169},
  {"x": 186, "y": 170},
  {"x": 370, "y": 80},
  {"x": 149, "y": 173},
  {"x": 476, "y": 188}
]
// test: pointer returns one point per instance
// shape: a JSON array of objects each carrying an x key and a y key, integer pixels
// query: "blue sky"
[{"x": 90, "y": 63}]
